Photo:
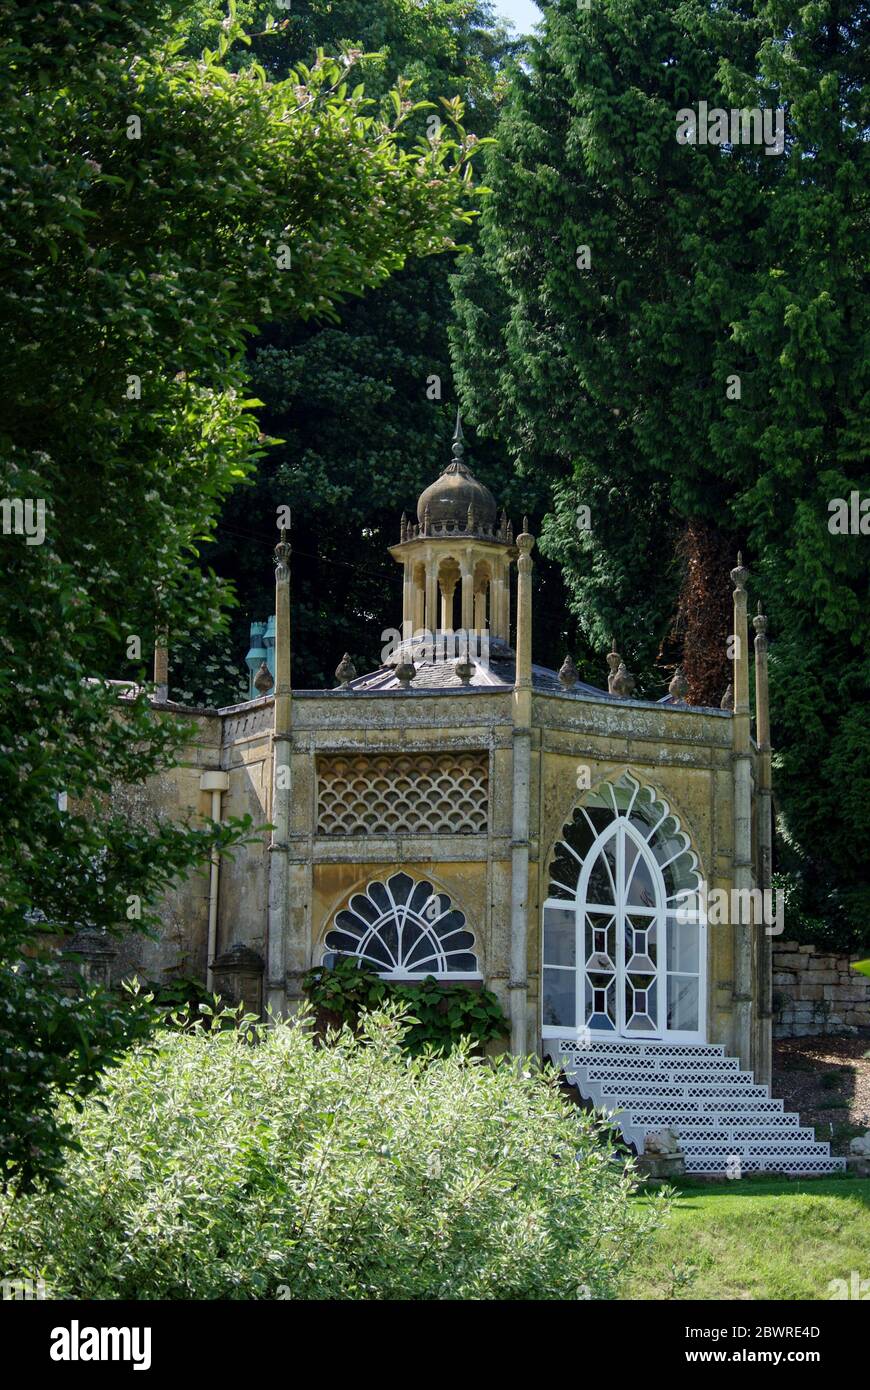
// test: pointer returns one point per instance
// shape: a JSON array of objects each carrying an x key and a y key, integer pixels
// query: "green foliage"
[
  {"x": 438, "y": 1017},
  {"x": 708, "y": 263},
  {"x": 182, "y": 1002},
  {"x": 53, "y": 1042},
  {"x": 360, "y": 434},
  {"x": 213, "y": 1169},
  {"x": 146, "y": 197}
]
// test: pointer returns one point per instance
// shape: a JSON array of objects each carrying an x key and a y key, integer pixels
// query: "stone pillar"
[
  {"x": 419, "y": 606},
  {"x": 407, "y": 597},
  {"x": 742, "y": 932},
  {"x": 431, "y": 621},
  {"x": 495, "y": 600},
  {"x": 161, "y": 666},
  {"x": 525, "y": 542},
  {"x": 506, "y": 602},
  {"x": 279, "y": 848},
  {"x": 448, "y": 589},
  {"x": 480, "y": 609},
  {"x": 215, "y": 782},
  {"x": 468, "y": 593},
  {"x": 522, "y": 741},
  {"x": 764, "y": 841}
]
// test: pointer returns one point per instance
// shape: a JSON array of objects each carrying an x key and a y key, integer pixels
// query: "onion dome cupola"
[
  {"x": 457, "y": 503},
  {"x": 457, "y": 556}
]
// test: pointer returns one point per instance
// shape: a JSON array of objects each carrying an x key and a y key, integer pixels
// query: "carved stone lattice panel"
[{"x": 404, "y": 794}]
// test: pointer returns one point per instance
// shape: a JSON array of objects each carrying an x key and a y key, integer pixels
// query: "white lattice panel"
[
  {"x": 796, "y": 1166},
  {"x": 710, "y": 1068},
  {"x": 626, "y": 1047},
  {"x": 601, "y": 1071},
  {"x": 688, "y": 1089},
  {"x": 726, "y": 1123}
]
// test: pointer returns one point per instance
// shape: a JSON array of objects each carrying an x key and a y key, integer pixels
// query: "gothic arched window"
[
  {"x": 403, "y": 927},
  {"x": 623, "y": 948}
]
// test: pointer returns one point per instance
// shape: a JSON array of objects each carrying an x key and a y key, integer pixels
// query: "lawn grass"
[{"x": 758, "y": 1238}]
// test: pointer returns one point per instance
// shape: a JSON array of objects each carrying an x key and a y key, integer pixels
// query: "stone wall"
[{"x": 816, "y": 991}]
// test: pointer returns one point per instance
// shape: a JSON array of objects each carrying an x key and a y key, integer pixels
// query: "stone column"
[
  {"x": 522, "y": 741},
  {"x": 467, "y": 593},
  {"x": 742, "y": 847},
  {"x": 407, "y": 597},
  {"x": 764, "y": 841},
  {"x": 448, "y": 589},
  {"x": 214, "y": 781},
  {"x": 506, "y": 602},
  {"x": 431, "y": 621},
  {"x": 480, "y": 609},
  {"x": 161, "y": 666},
  {"x": 525, "y": 542},
  {"x": 419, "y": 606},
  {"x": 279, "y": 849},
  {"x": 495, "y": 599}
]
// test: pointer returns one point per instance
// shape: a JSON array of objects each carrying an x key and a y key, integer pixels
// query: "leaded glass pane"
[
  {"x": 560, "y": 936},
  {"x": 560, "y": 1004}
]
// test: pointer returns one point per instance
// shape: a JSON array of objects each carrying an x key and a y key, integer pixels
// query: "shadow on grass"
[{"x": 762, "y": 1185}]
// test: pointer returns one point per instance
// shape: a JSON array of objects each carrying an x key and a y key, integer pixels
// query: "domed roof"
[{"x": 450, "y": 496}]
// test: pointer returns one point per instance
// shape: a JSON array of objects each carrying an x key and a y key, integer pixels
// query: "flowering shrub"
[{"x": 252, "y": 1164}]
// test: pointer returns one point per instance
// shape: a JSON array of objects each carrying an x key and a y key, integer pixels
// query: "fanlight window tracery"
[
  {"x": 404, "y": 927},
  {"x": 622, "y": 945}
]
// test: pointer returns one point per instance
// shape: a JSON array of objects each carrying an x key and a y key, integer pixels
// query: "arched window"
[
  {"x": 623, "y": 939},
  {"x": 403, "y": 927}
]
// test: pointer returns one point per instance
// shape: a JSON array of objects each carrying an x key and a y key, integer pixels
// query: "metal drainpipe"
[{"x": 215, "y": 782}]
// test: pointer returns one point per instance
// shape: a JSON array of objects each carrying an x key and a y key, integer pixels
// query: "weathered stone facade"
[
  {"x": 817, "y": 991},
  {"x": 685, "y": 754},
  {"x": 514, "y": 748}
]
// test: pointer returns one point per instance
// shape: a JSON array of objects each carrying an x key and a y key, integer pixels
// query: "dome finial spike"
[{"x": 458, "y": 438}]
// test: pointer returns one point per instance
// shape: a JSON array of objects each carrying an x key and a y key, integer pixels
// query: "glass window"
[
  {"x": 683, "y": 996},
  {"x": 560, "y": 1004},
  {"x": 560, "y": 935},
  {"x": 403, "y": 927}
]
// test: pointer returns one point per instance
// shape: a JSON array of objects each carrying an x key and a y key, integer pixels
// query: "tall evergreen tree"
[
  {"x": 674, "y": 334},
  {"x": 363, "y": 405}
]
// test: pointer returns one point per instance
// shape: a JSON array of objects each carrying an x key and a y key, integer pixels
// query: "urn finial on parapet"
[
  {"x": 613, "y": 661},
  {"x": 623, "y": 683},
  {"x": 568, "y": 674},
  {"x": 405, "y": 672},
  {"x": 740, "y": 574},
  {"x": 345, "y": 671},
  {"x": 263, "y": 679},
  {"x": 678, "y": 688},
  {"x": 464, "y": 668},
  {"x": 282, "y": 556}
]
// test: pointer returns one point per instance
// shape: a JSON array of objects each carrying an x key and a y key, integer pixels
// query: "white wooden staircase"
[{"x": 726, "y": 1123}]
